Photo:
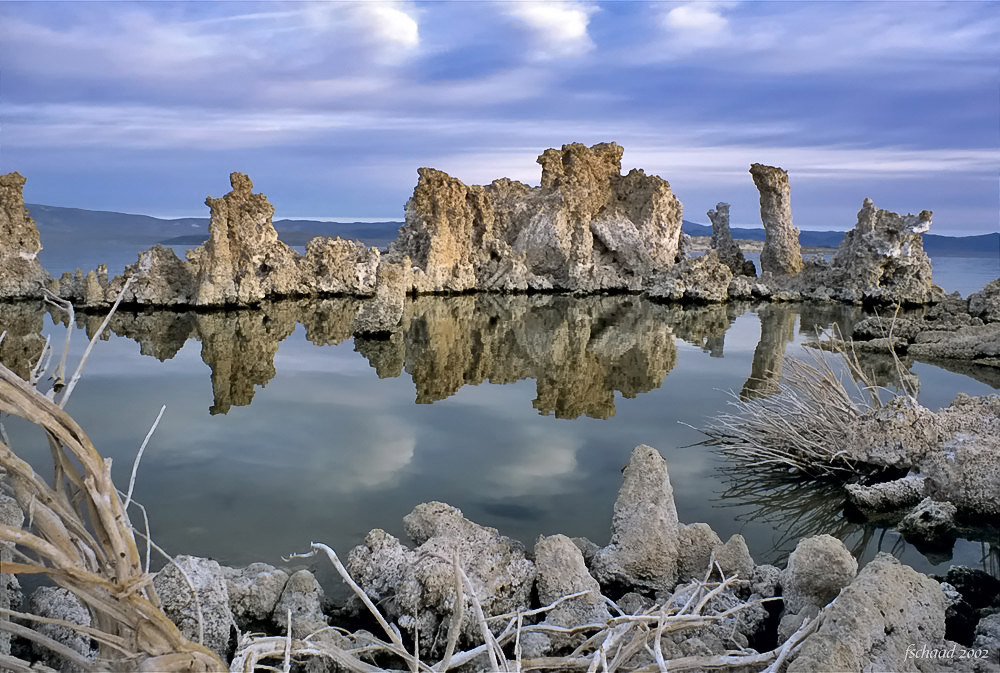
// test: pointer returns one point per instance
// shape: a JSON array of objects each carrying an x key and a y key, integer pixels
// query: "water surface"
[{"x": 280, "y": 429}]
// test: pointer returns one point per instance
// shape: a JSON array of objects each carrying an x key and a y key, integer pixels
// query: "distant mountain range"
[{"x": 66, "y": 230}]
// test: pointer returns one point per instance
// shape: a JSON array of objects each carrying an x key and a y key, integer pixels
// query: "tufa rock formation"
[
  {"x": 21, "y": 274},
  {"x": 781, "y": 254},
  {"x": 723, "y": 243},
  {"x": 882, "y": 259},
  {"x": 587, "y": 228}
]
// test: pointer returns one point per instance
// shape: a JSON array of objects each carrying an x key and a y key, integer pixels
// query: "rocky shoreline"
[{"x": 817, "y": 614}]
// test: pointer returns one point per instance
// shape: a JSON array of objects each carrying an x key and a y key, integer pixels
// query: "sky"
[{"x": 332, "y": 107}]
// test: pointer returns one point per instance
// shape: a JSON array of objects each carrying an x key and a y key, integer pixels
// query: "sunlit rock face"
[
  {"x": 586, "y": 228},
  {"x": 21, "y": 274},
  {"x": 883, "y": 258},
  {"x": 781, "y": 254}
]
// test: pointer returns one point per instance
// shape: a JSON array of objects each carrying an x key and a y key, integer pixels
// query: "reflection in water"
[
  {"x": 777, "y": 330},
  {"x": 22, "y": 344},
  {"x": 347, "y": 436}
]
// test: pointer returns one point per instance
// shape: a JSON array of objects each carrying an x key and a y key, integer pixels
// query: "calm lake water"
[{"x": 280, "y": 429}]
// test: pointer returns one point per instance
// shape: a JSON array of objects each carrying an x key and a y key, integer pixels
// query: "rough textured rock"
[
  {"x": 817, "y": 570},
  {"x": 781, "y": 253},
  {"x": 882, "y": 259},
  {"x": 976, "y": 342},
  {"x": 303, "y": 597},
  {"x": 930, "y": 522},
  {"x": 695, "y": 544},
  {"x": 643, "y": 550},
  {"x": 586, "y": 228},
  {"x": 897, "y": 434},
  {"x": 336, "y": 266},
  {"x": 417, "y": 586},
  {"x": 382, "y": 314},
  {"x": 734, "y": 558},
  {"x": 561, "y": 571},
  {"x": 701, "y": 279},
  {"x": 885, "y": 610},
  {"x": 985, "y": 304},
  {"x": 10, "y": 588},
  {"x": 765, "y": 581},
  {"x": 21, "y": 274},
  {"x": 253, "y": 592},
  {"x": 723, "y": 243},
  {"x": 243, "y": 261},
  {"x": 161, "y": 278},
  {"x": 178, "y": 603},
  {"x": 888, "y": 495},
  {"x": 57, "y": 603}
]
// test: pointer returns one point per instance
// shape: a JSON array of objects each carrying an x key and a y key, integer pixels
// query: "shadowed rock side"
[
  {"x": 21, "y": 274},
  {"x": 723, "y": 243},
  {"x": 586, "y": 228},
  {"x": 777, "y": 330},
  {"x": 781, "y": 254}
]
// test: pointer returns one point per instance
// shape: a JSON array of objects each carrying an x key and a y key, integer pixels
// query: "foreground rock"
[
  {"x": 587, "y": 228},
  {"x": 644, "y": 539},
  {"x": 887, "y": 609},
  {"x": 416, "y": 587},
  {"x": 781, "y": 254},
  {"x": 57, "y": 603},
  {"x": 817, "y": 570},
  {"x": 21, "y": 274},
  {"x": 178, "y": 602}
]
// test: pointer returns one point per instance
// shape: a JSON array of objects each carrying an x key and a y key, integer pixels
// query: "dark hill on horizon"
[{"x": 113, "y": 236}]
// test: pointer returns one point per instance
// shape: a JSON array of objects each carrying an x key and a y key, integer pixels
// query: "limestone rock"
[
  {"x": 561, "y": 571},
  {"x": 974, "y": 342},
  {"x": 179, "y": 605},
  {"x": 303, "y": 597},
  {"x": 734, "y": 558},
  {"x": 644, "y": 539},
  {"x": 723, "y": 243},
  {"x": 896, "y": 434},
  {"x": 161, "y": 278},
  {"x": 888, "y": 495},
  {"x": 586, "y": 228},
  {"x": 765, "y": 581},
  {"x": 243, "y": 261},
  {"x": 883, "y": 259},
  {"x": 21, "y": 274},
  {"x": 10, "y": 589},
  {"x": 58, "y": 603},
  {"x": 382, "y": 314},
  {"x": 336, "y": 266},
  {"x": 695, "y": 544},
  {"x": 253, "y": 592},
  {"x": 930, "y": 522},
  {"x": 701, "y": 279},
  {"x": 886, "y": 609},
  {"x": 966, "y": 473},
  {"x": 781, "y": 253},
  {"x": 817, "y": 570},
  {"x": 985, "y": 304},
  {"x": 417, "y": 586}
]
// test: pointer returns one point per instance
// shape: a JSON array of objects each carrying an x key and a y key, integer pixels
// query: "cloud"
[
  {"x": 559, "y": 29},
  {"x": 695, "y": 18}
]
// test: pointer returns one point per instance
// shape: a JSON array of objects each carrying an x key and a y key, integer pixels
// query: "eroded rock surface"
[
  {"x": 885, "y": 610},
  {"x": 58, "y": 603},
  {"x": 21, "y": 274},
  {"x": 586, "y": 228},
  {"x": 882, "y": 259},
  {"x": 643, "y": 551},
  {"x": 781, "y": 254},
  {"x": 985, "y": 304},
  {"x": 177, "y": 600},
  {"x": 723, "y": 243},
  {"x": 417, "y": 586},
  {"x": 817, "y": 570}
]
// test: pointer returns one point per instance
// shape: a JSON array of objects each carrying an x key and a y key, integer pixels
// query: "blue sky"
[{"x": 331, "y": 107}]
